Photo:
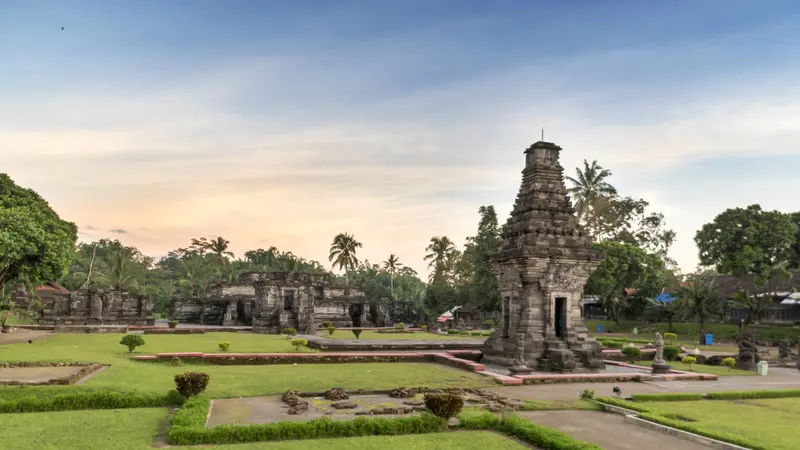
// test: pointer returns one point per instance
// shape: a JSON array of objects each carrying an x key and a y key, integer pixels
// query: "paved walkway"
[
  {"x": 777, "y": 379},
  {"x": 609, "y": 431}
]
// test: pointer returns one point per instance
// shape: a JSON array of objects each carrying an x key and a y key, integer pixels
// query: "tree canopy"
[{"x": 35, "y": 243}]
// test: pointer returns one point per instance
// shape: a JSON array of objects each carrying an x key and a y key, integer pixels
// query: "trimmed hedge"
[
  {"x": 674, "y": 397},
  {"x": 748, "y": 395},
  {"x": 525, "y": 430},
  {"x": 622, "y": 404},
  {"x": 80, "y": 400},
  {"x": 188, "y": 427},
  {"x": 692, "y": 428}
]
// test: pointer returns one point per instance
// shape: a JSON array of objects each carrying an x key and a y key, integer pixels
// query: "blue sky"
[{"x": 284, "y": 123}]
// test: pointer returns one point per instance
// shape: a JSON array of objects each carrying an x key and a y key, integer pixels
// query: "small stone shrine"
[{"x": 541, "y": 268}]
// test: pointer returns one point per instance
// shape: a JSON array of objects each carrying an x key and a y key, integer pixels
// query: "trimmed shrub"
[
  {"x": 289, "y": 332},
  {"x": 357, "y": 332},
  {"x": 587, "y": 394},
  {"x": 676, "y": 397},
  {"x": 670, "y": 338},
  {"x": 224, "y": 346},
  {"x": 444, "y": 405},
  {"x": 172, "y": 323},
  {"x": 132, "y": 341},
  {"x": 299, "y": 343},
  {"x": 631, "y": 353},
  {"x": 327, "y": 324},
  {"x": 79, "y": 399},
  {"x": 689, "y": 360},
  {"x": 748, "y": 395},
  {"x": 400, "y": 326},
  {"x": 476, "y": 333},
  {"x": 622, "y": 404},
  {"x": 671, "y": 353},
  {"x": 525, "y": 430},
  {"x": 424, "y": 328},
  {"x": 608, "y": 343},
  {"x": 464, "y": 333},
  {"x": 453, "y": 331},
  {"x": 331, "y": 329},
  {"x": 190, "y": 384},
  {"x": 729, "y": 362}
]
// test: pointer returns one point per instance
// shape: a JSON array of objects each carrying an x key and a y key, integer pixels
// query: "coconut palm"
[
  {"x": 441, "y": 251},
  {"x": 699, "y": 299},
  {"x": 392, "y": 265},
  {"x": 343, "y": 252},
  {"x": 588, "y": 186}
]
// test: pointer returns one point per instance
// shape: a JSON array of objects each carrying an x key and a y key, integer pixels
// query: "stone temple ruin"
[
  {"x": 271, "y": 301},
  {"x": 87, "y": 306},
  {"x": 541, "y": 267}
]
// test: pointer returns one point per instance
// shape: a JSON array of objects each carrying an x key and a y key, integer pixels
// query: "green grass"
[
  {"x": 690, "y": 332},
  {"x": 770, "y": 423},
  {"x": 136, "y": 429},
  {"x": 558, "y": 405},
  {"x": 226, "y": 381},
  {"x": 703, "y": 368},
  {"x": 369, "y": 335}
]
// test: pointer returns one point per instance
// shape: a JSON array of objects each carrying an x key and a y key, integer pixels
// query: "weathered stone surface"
[
  {"x": 344, "y": 405},
  {"x": 541, "y": 267},
  {"x": 401, "y": 392},
  {"x": 95, "y": 307},
  {"x": 336, "y": 394}
]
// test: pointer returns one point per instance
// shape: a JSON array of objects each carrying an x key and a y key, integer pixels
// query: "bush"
[
  {"x": 675, "y": 397},
  {"x": 689, "y": 360},
  {"x": 476, "y": 333},
  {"x": 611, "y": 343},
  {"x": 132, "y": 341},
  {"x": 299, "y": 343},
  {"x": 729, "y": 362},
  {"x": 424, "y": 328},
  {"x": 748, "y": 395},
  {"x": 190, "y": 384},
  {"x": 327, "y": 324},
  {"x": 400, "y": 326},
  {"x": 331, "y": 329},
  {"x": 525, "y": 430},
  {"x": 490, "y": 322},
  {"x": 587, "y": 394},
  {"x": 224, "y": 346},
  {"x": 464, "y": 333},
  {"x": 670, "y": 338},
  {"x": 80, "y": 399},
  {"x": 357, "y": 332},
  {"x": 453, "y": 331},
  {"x": 289, "y": 332},
  {"x": 444, "y": 405},
  {"x": 172, "y": 323},
  {"x": 631, "y": 353},
  {"x": 671, "y": 352}
]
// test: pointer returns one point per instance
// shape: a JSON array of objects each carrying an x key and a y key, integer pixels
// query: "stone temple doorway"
[
  {"x": 560, "y": 319},
  {"x": 356, "y": 310},
  {"x": 241, "y": 315}
]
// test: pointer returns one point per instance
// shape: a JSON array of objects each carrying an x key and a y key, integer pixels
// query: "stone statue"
[
  {"x": 96, "y": 304},
  {"x": 520, "y": 367},
  {"x": 748, "y": 353},
  {"x": 227, "y": 313},
  {"x": 145, "y": 306},
  {"x": 519, "y": 355},
  {"x": 784, "y": 350},
  {"x": 659, "y": 365}
]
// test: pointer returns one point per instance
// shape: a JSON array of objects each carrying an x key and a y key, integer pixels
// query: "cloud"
[
  {"x": 118, "y": 231},
  {"x": 368, "y": 139}
]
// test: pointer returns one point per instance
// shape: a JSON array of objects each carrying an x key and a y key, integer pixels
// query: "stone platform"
[{"x": 326, "y": 345}]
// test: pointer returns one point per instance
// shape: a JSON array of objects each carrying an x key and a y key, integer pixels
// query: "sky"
[{"x": 285, "y": 123}]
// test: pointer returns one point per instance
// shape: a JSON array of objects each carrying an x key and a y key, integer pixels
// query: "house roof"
[
  {"x": 729, "y": 285},
  {"x": 52, "y": 287}
]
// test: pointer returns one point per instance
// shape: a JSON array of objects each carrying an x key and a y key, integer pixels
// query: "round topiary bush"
[
  {"x": 299, "y": 343},
  {"x": 400, "y": 326},
  {"x": 729, "y": 362},
  {"x": 289, "y": 332},
  {"x": 671, "y": 352},
  {"x": 172, "y": 323},
  {"x": 631, "y": 353},
  {"x": 132, "y": 341},
  {"x": 444, "y": 405},
  {"x": 331, "y": 330},
  {"x": 191, "y": 383},
  {"x": 224, "y": 346}
]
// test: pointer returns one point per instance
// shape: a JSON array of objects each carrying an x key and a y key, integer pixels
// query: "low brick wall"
[
  {"x": 648, "y": 354},
  {"x": 287, "y": 358},
  {"x": 171, "y": 330}
]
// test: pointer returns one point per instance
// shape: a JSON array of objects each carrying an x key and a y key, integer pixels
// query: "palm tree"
[
  {"x": 588, "y": 186},
  {"x": 440, "y": 253},
  {"x": 343, "y": 252},
  {"x": 121, "y": 268},
  {"x": 698, "y": 299},
  {"x": 392, "y": 265},
  {"x": 219, "y": 247}
]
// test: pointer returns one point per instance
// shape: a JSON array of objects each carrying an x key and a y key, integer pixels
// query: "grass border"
[{"x": 89, "y": 400}]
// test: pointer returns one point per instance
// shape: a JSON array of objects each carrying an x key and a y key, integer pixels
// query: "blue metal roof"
[{"x": 664, "y": 298}]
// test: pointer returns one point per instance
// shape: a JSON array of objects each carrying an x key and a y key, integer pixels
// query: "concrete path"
[
  {"x": 609, "y": 431},
  {"x": 777, "y": 379}
]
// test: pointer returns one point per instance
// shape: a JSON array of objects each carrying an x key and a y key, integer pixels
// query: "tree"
[
  {"x": 441, "y": 256},
  {"x": 794, "y": 263},
  {"x": 35, "y": 244},
  {"x": 588, "y": 185},
  {"x": 392, "y": 265},
  {"x": 748, "y": 242},
  {"x": 626, "y": 220},
  {"x": 343, "y": 252},
  {"x": 624, "y": 266},
  {"x": 699, "y": 300}
]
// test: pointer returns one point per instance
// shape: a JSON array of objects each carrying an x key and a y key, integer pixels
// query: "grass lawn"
[
  {"x": 368, "y": 335},
  {"x": 690, "y": 332},
  {"x": 702, "y": 368},
  {"x": 226, "y": 381},
  {"x": 771, "y": 423},
  {"x": 137, "y": 429}
]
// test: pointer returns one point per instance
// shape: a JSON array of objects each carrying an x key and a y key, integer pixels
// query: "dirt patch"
[{"x": 609, "y": 431}]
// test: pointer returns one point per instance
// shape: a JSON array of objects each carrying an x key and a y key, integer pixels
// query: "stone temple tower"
[{"x": 541, "y": 267}]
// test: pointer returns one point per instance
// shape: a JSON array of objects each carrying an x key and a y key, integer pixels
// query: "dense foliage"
[{"x": 190, "y": 384}]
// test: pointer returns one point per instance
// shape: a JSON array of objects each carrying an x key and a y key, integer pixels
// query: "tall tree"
[
  {"x": 748, "y": 242},
  {"x": 343, "y": 252},
  {"x": 441, "y": 255},
  {"x": 588, "y": 186},
  {"x": 624, "y": 267},
  {"x": 794, "y": 262},
  {"x": 698, "y": 299},
  {"x": 391, "y": 266},
  {"x": 35, "y": 244}
]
